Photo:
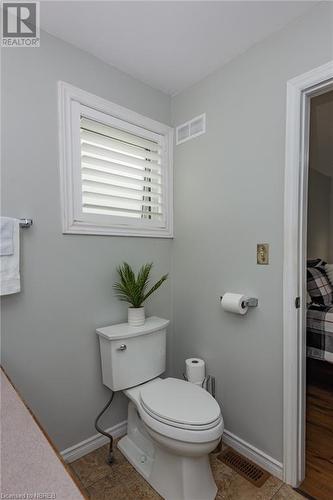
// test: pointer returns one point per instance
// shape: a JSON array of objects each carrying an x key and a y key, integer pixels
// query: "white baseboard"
[
  {"x": 257, "y": 456},
  {"x": 92, "y": 443},
  {"x": 252, "y": 453}
]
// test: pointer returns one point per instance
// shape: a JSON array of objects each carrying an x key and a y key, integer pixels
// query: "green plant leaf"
[
  {"x": 155, "y": 287},
  {"x": 131, "y": 288},
  {"x": 143, "y": 276}
]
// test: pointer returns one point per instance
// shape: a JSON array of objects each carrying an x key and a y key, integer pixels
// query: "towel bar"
[{"x": 25, "y": 223}]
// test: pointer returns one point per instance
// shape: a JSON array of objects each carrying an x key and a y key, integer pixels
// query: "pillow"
[
  {"x": 315, "y": 262},
  {"x": 319, "y": 287},
  {"x": 329, "y": 272}
]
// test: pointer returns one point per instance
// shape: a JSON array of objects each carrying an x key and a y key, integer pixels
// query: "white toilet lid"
[{"x": 179, "y": 402}]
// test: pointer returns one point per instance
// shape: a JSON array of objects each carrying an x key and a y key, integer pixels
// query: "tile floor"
[{"x": 121, "y": 481}]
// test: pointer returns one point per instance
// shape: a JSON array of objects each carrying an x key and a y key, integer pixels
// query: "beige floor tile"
[
  {"x": 141, "y": 490},
  {"x": 127, "y": 473},
  {"x": 121, "y": 481},
  {"x": 223, "y": 475},
  {"x": 117, "y": 455},
  {"x": 105, "y": 489},
  {"x": 224, "y": 446},
  {"x": 231, "y": 486},
  {"x": 92, "y": 467},
  {"x": 286, "y": 492}
]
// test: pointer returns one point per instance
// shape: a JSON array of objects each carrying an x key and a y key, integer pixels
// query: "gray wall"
[
  {"x": 228, "y": 197},
  {"x": 319, "y": 207},
  {"x": 49, "y": 345}
]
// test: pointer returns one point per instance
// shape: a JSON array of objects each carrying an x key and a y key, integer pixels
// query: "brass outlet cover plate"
[{"x": 263, "y": 254}]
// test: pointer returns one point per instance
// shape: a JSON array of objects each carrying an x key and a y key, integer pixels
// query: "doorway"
[
  {"x": 301, "y": 92},
  {"x": 318, "y": 482}
]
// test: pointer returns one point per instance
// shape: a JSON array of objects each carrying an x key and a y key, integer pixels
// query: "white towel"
[
  {"x": 10, "y": 264},
  {"x": 6, "y": 236}
]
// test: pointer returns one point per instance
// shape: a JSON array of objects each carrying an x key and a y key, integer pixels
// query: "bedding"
[
  {"x": 320, "y": 332},
  {"x": 329, "y": 272},
  {"x": 315, "y": 262},
  {"x": 319, "y": 287}
]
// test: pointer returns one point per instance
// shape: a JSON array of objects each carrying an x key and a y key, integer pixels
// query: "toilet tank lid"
[{"x": 124, "y": 330}]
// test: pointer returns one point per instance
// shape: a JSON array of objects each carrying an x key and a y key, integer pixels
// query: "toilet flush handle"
[{"x": 123, "y": 347}]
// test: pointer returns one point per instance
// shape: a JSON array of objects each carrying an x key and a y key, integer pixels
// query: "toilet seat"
[
  {"x": 193, "y": 435},
  {"x": 179, "y": 404}
]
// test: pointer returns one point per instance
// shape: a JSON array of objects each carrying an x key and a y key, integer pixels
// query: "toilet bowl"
[
  {"x": 172, "y": 424},
  {"x": 172, "y": 427}
]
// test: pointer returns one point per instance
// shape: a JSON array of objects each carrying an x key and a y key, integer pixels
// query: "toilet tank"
[{"x": 131, "y": 355}]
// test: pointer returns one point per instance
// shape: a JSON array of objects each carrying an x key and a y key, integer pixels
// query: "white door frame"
[{"x": 299, "y": 92}]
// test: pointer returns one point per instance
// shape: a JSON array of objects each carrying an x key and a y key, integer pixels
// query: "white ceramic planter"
[{"x": 136, "y": 316}]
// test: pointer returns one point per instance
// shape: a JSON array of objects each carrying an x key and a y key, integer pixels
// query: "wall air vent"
[{"x": 191, "y": 129}]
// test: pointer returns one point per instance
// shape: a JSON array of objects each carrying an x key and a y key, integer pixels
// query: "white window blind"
[
  {"x": 116, "y": 168},
  {"x": 121, "y": 173}
]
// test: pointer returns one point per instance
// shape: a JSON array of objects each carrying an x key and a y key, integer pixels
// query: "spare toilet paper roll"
[
  {"x": 195, "y": 370},
  {"x": 234, "y": 302}
]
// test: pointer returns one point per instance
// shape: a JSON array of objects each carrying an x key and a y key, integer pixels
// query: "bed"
[
  {"x": 319, "y": 323},
  {"x": 319, "y": 328}
]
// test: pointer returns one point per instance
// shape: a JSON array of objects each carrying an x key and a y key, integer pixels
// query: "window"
[{"x": 116, "y": 168}]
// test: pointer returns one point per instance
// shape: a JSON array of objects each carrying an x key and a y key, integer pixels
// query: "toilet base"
[{"x": 174, "y": 477}]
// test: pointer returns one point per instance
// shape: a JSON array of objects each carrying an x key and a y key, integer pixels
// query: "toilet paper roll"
[
  {"x": 195, "y": 370},
  {"x": 234, "y": 302}
]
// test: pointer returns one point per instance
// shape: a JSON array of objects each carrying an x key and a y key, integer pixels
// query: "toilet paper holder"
[{"x": 249, "y": 302}]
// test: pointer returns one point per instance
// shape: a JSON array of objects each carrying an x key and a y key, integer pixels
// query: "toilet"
[{"x": 172, "y": 424}]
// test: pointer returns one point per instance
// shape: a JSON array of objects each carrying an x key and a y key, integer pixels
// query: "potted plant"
[{"x": 133, "y": 290}]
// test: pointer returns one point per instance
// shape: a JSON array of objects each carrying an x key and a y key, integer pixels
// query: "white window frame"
[{"x": 73, "y": 102}]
